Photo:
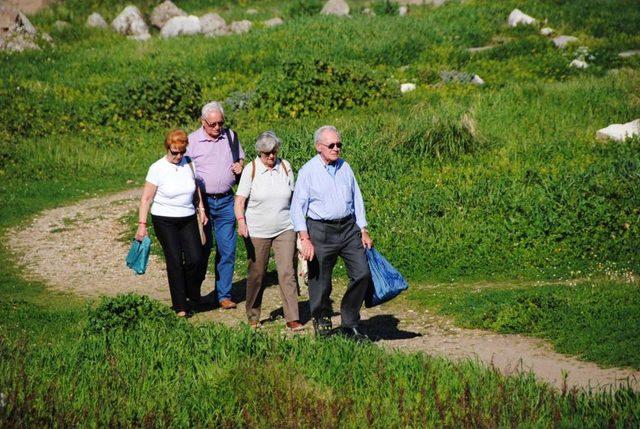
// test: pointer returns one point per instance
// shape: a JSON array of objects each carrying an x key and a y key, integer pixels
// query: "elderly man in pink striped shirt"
[{"x": 218, "y": 158}]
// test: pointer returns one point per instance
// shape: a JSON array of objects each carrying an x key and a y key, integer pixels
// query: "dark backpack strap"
[{"x": 232, "y": 138}]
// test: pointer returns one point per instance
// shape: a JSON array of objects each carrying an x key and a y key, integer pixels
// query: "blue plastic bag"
[
  {"x": 138, "y": 256},
  {"x": 387, "y": 282}
]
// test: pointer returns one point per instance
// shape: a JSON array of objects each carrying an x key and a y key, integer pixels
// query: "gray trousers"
[{"x": 330, "y": 241}]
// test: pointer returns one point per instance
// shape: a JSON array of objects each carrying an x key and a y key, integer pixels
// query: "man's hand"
[
  {"x": 307, "y": 251},
  {"x": 367, "y": 242},
  {"x": 236, "y": 167}
]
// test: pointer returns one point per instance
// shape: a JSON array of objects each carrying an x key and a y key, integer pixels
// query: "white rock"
[
  {"x": 16, "y": 31},
  {"x": 368, "y": 12},
  {"x": 181, "y": 26},
  {"x": 403, "y": 10},
  {"x": 273, "y": 22},
  {"x": 480, "y": 49},
  {"x": 60, "y": 25},
  {"x": 239, "y": 27},
  {"x": 213, "y": 24},
  {"x": 407, "y": 87},
  {"x": 546, "y": 31},
  {"x": 130, "y": 23},
  {"x": 164, "y": 12},
  {"x": 251, "y": 11},
  {"x": 95, "y": 20},
  {"x": 620, "y": 132},
  {"x": 517, "y": 17},
  {"x": 335, "y": 7},
  {"x": 579, "y": 64},
  {"x": 563, "y": 41},
  {"x": 628, "y": 54},
  {"x": 477, "y": 80}
]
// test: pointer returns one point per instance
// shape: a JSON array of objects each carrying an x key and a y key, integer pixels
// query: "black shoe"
[
  {"x": 322, "y": 327},
  {"x": 353, "y": 334}
]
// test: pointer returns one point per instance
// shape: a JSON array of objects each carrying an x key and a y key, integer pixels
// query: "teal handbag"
[{"x": 138, "y": 256}]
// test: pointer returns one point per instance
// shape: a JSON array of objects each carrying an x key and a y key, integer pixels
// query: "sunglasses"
[
  {"x": 269, "y": 153},
  {"x": 213, "y": 124},
  {"x": 333, "y": 145},
  {"x": 177, "y": 152}
]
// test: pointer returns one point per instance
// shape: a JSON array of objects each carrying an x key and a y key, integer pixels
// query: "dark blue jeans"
[{"x": 222, "y": 226}]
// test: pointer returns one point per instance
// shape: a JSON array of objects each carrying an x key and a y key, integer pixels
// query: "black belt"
[
  {"x": 345, "y": 219},
  {"x": 217, "y": 196}
]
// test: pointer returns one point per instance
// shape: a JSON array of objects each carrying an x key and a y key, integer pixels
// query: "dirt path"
[{"x": 76, "y": 249}]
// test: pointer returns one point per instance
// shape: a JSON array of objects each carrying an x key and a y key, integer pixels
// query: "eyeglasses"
[
  {"x": 213, "y": 124},
  {"x": 177, "y": 152},
  {"x": 332, "y": 145}
]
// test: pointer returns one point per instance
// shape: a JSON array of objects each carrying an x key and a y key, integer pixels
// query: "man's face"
[
  {"x": 329, "y": 146},
  {"x": 213, "y": 123}
]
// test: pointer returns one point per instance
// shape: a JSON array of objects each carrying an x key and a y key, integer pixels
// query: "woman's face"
[
  {"x": 269, "y": 158},
  {"x": 175, "y": 154}
]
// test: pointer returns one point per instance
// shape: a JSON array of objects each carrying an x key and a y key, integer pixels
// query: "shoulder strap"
[
  {"x": 284, "y": 166},
  {"x": 190, "y": 164},
  {"x": 232, "y": 138},
  {"x": 253, "y": 171}
]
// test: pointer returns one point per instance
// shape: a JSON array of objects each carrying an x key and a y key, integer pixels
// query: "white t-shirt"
[
  {"x": 174, "y": 196},
  {"x": 269, "y": 197}
]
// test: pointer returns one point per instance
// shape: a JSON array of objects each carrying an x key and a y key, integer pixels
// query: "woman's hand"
[
  {"x": 203, "y": 215},
  {"x": 142, "y": 231},
  {"x": 242, "y": 228}
]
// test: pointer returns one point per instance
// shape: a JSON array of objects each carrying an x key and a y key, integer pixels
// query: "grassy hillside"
[{"x": 461, "y": 182}]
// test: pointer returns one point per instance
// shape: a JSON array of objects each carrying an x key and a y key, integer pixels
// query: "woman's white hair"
[
  {"x": 268, "y": 142},
  {"x": 318, "y": 134},
  {"x": 212, "y": 106}
]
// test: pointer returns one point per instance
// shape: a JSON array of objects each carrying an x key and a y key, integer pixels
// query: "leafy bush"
[
  {"x": 127, "y": 311},
  {"x": 303, "y": 8},
  {"x": 154, "y": 101},
  {"x": 385, "y": 7},
  {"x": 304, "y": 87}
]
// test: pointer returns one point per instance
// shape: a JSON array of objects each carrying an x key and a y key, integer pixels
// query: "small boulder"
[
  {"x": 562, "y": 41},
  {"x": 403, "y": 10},
  {"x": 517, "y": 17},
  {"x": 546, "y": 31},
  {"x": 181, "y": 26},
  {"x": 16, "y": 31},
  {"x": 131, "y": 23},
  {"x": 578, "y": 64},
  {"x": 629, "y": 54},
  {"x": 477, "y": 80},
  {"x": 95, "y": 20},
  {"x": 239, "y": 27},
  {"x": 335, "y": 7},
  {"x": 164, "y": 12},
  {"x": 273, "y": 22},
  {"x": 368, "y": 12},
  {"x": 619, "y": 132},
  {"x": 213, "y": 24},
  {"x": 407, "y": 87}
]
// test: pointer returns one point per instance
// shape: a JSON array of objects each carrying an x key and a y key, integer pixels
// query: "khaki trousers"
[{"x": 284, "y": 246}]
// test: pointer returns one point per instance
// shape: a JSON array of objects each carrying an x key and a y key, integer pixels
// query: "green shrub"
[
  {"x": 301, "y": 88},
  {"x": 153, "y": 101},
  {"x": 385, "y": 7},
  {"x": 127, "y": 311},
  {"x": 303, "y": 8}
]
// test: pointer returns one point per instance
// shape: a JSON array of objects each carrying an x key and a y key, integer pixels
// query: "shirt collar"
[
  {"x": 261, "y": 168},
  {"x": 337, "y": 164}
]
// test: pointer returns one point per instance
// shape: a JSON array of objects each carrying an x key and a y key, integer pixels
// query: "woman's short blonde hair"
[{"x": 177, "y": 138}]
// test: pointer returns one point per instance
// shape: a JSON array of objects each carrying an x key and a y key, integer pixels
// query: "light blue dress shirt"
[{"x": 321, "y": 195}]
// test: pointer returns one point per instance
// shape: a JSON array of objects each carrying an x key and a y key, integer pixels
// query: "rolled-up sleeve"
[
  {"x": 358, "y": 203},
  {"x": 300, "y": 203}
]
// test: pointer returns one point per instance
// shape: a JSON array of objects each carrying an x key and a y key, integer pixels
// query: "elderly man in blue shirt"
[{"x": 327, "y": 211}]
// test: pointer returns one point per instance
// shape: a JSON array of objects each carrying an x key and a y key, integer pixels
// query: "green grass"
[
  {"x": 595, "y": 320},
  {"x": 461, "y": 183},
  {"x": 184, "y": 376}
]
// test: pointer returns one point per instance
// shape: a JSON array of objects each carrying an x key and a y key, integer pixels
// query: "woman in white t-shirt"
[
  {"x": 169, "y": 191},
  {"x": 262, "y": 207}
]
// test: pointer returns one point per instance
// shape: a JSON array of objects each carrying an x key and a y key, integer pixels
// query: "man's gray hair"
[
  {"x": 268, "y": 142},
  {"x": 318, "y": 134},
  {"x": 212, "y": 106}
]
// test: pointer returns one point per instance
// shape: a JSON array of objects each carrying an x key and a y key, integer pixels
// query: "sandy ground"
[{"x": 76, "y": 249}]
